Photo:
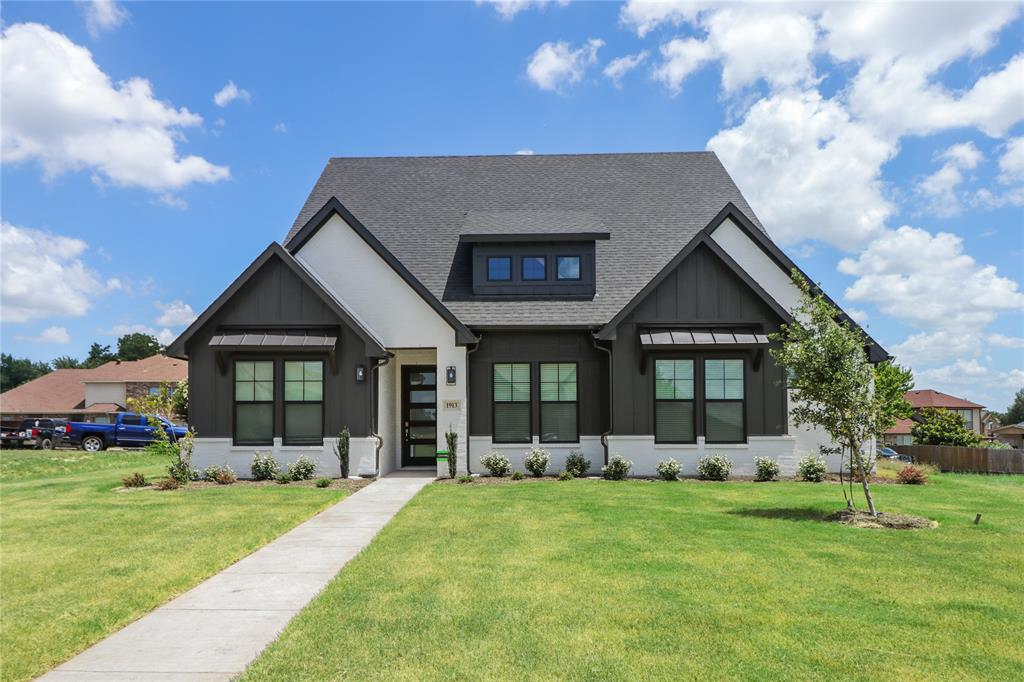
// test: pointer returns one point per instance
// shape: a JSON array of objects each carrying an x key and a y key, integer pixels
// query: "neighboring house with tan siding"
[
  {"x": 90, "y": 394},
  {"x": 919, "y": 400}
]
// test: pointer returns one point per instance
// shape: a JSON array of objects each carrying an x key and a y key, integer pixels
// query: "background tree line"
[{"x": 136, "y": 346}]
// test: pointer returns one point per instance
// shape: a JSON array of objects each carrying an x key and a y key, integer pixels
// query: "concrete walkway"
[{"x": 213, "y": 631}]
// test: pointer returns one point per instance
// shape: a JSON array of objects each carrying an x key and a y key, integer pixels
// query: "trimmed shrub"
[
  {"x": 465, "y": 478},
  {"x": 714, "y": 468},
  {"x": 537, "y": 461},
  {"x": 576, "y": 464},
  {"x": 283, "y": 478},
  {"x": 451, "y": 439},
  {"x": 342, "y": 449},
  {"x": 496, "y": 463},
  {"x": 264, "y": 467},
  {"x": 167, "y": 484},
  {"x": 911, "y": 475},
  {"x": 767, "y": 469},
  {"x": 669, "y": 469},
  {"x": 811, "y": 469},
  {"x": 302, "y": 469},
  {"x": 617, "y": 468},
  {"x": 136, "y": 480},
  {"x": 222, "y": 475},
  {"x": 518, "y": 475},
  {"x": 323, "y": 482},
  {"x": 565, "y": 476}
]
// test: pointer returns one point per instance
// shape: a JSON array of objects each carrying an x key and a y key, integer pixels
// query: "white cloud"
[
  {"x": 60, "y": 109},
  {"x": 555, "y": 65},
  {"x": 928, "y": 281},
  {"x": 164, "y": 336},
  {"x": 680, "y": 58},
  {"x": 932, "y": 347},
  {"x": 280, "y": 128},
  {"x": 620, "y": 66},
  {"x": 42, "y": 275},
  {"x": 645, "y": 15},
  {"x": 173, "y": 201},
  {"x": 58, "y": 335},
  {"x": 103, "y": 15},
  {"x": 508, "y": 9},
  {"x": 858, "y": 315},
  {"x": 1011, "y": 163},
  {"x": 941, "y": 187},
  {"x": 229, "y": 93},
  {"x": 524, "y": 152},
  {"x": 970, "y": 376},
  {"x": 1004, "y": 341},
  {"x": 174, "y": 314},
  {"x": 809, "y": 170}
]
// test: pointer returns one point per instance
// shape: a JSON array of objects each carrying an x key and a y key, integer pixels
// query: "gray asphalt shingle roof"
[{"x": 652, "y": 204}]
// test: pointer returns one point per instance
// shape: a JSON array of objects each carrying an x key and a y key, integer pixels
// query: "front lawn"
[
  {"x": 649, "y": 580},
  {"x": 79, "y": 561}
]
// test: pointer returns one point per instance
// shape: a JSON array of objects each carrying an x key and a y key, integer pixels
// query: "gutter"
[
  {"x": 469, "y": 402},
  {"x": 611, "y": 397},
  {"x": 374, "y": 412}
]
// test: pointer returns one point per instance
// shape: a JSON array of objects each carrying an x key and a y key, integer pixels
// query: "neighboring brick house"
[
  {"x": 970, "y": 412},
  {"x": 90, "y": 394}
]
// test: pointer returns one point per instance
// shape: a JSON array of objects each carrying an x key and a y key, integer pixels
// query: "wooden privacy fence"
[{"x": 977, "y": 460}]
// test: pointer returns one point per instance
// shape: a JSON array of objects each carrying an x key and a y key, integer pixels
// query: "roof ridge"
[{"x": 514, "y": 155}]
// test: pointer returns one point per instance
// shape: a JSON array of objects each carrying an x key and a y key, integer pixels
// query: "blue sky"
[{"x": 894, "y": 175}]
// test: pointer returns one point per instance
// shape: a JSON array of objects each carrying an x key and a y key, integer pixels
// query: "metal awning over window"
[
  {"x": 701, "y": 337},
  {"x": 290, "y": 341},
  {"x": 276, "y": 341}
]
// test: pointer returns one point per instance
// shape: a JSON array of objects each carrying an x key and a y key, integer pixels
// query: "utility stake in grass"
[{"x": 977, "y": 519}]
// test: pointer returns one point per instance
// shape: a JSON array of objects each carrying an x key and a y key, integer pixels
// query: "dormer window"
[
  {"x": 534, "y": 268},
  {"x": 499, "y": 268},
  {"x": 567, "y": 268}
]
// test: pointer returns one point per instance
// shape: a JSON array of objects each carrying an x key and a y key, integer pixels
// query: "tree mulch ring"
[{"x": 862, "y": 519}]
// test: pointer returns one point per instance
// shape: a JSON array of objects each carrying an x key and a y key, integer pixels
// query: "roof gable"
[
  {"x": 926, "y": 397},
  {"x": 275, "y": 252}
]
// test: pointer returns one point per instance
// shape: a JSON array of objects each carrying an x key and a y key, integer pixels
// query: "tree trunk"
[{"x": 867, "y": 488}]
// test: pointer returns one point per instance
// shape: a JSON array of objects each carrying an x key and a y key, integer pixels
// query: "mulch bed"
[
  {"x": 349, "y": 484},
  {"x": 862, "y": 519}
]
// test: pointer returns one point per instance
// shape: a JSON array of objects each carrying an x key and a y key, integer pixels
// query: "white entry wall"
[{"x": 368, "y": 286}]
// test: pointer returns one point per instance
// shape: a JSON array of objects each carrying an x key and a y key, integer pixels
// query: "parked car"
[
  {"x": 889, "y": 453},
  {"x": 129, "y": 430},
  {"x": 43, "y": 433}
]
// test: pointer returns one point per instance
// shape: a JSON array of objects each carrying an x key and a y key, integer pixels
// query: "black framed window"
[
  {"x": 724, "y": 420},
  {"x": 499, "y": 268},
  {"x": 303, "y": 402},
  {"x": 534, "y": 268},
  {"x": 567, "y": 267},
  {"x": 254, "y": 402},
  {"x": 511, "y": 402},
  {"x": 558, "y": 403},
  {"x": 674, "y": 420}
]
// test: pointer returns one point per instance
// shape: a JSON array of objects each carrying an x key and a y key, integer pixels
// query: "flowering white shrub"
[
  {"x": 302, "y": 469},
  {"x": 536, "y": 461},
  {"x": 669, "y": 469},
  {"x": 811, "y": 468},
  {"x": 264, "y": 467},
  {"x": 767, "y": 469},
  {"x": 219, "y": 474},
  {"x": 714, "y": 468},
  {"x": 496, "y": 463},
  {"x": 617, "y": 468},
  {"x": 576, "y": 464}
]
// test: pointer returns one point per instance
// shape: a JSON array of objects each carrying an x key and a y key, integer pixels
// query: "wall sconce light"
[
  {"x": 449, "y": 375},
  {"x": 360, "y": 373}
]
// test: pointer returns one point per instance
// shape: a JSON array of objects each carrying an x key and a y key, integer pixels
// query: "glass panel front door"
[{"x": 419, "y": 415}]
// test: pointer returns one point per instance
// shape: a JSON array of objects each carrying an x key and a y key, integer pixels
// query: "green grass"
[
  {"x": 79, "y": 561},
  {"x": 638, "y": 580}
]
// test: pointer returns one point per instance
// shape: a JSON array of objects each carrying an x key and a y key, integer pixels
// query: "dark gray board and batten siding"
[
  {"x": 275, "y": 297},
  {"x": 536, "y": 347},
  {"x": 701, "y": 290}
]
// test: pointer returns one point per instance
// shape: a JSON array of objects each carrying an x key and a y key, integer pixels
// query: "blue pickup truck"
[{"x": 130, "y": 430}]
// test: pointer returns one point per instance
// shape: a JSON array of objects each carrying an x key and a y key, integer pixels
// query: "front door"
[{"x": 419, "y": 415}]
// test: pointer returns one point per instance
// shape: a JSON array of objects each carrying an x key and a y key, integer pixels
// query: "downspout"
[
  {"x": 611, "y": 398},
  {"x": 374, "y": 411},
  {"x": 469, "y": 403}
]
